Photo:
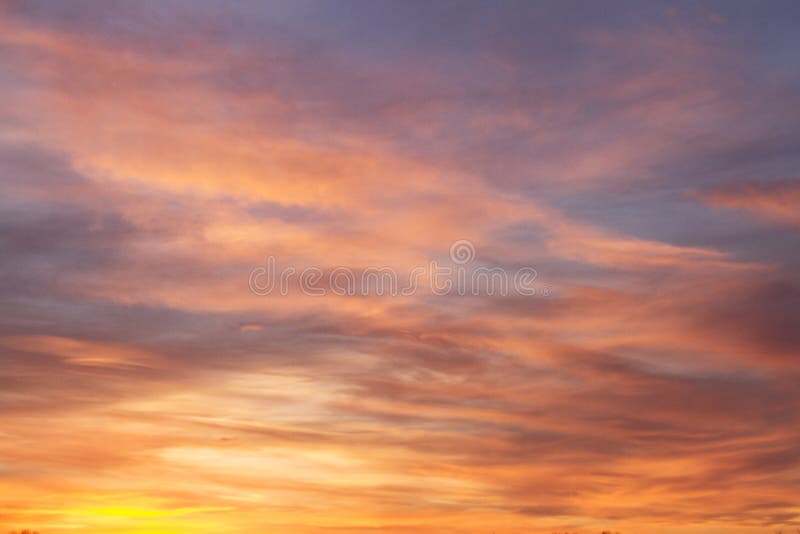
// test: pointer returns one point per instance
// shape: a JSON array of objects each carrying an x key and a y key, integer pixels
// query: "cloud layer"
[{"x": 642, "y": 157}]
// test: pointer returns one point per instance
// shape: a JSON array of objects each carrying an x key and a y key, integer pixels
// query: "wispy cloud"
[{"x": 153, "y": 155}]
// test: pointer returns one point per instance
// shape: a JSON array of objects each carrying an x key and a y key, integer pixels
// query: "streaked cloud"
[{"x": 641, "y": 157}]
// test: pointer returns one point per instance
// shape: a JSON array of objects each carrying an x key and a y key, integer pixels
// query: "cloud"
[
  {"x": 153, "y": 155},
  {"x": 776, "y": 202}
]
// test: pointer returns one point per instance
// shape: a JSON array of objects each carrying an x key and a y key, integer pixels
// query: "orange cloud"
[
  {"x": 778, "y": 202},
  {"x": 149, "y": 166}
]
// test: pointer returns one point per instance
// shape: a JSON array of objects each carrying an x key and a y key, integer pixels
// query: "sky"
[{"x": 640, "y": 158}]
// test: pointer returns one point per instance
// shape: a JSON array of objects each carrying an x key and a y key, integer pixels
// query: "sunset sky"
[{"x": 642, "y": 157}]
